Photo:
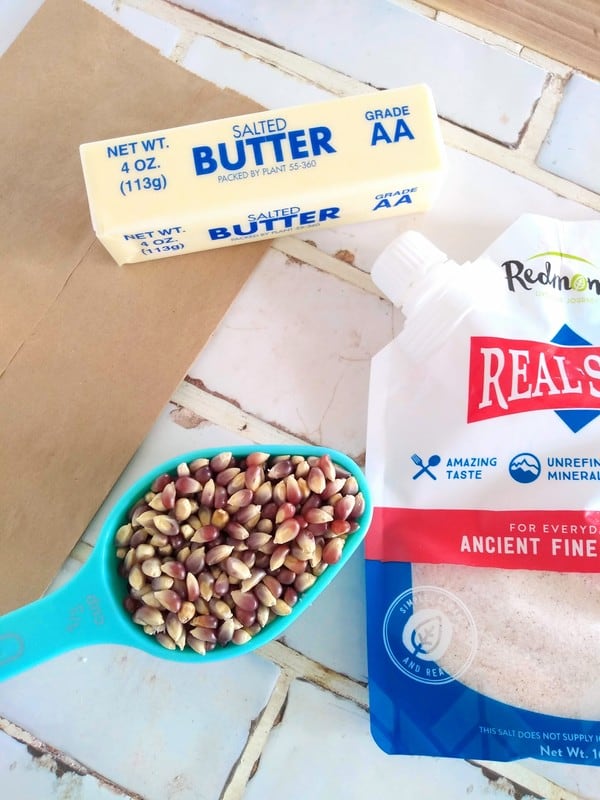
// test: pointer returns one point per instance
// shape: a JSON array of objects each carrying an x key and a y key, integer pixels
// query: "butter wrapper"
[{"x": 265, "y": 174}]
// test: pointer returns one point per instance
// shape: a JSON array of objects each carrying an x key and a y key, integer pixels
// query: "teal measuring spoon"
[{"x": 88, "y": 609}]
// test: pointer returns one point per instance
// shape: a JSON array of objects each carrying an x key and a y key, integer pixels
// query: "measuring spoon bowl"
[{"x": 89, "y": 610}]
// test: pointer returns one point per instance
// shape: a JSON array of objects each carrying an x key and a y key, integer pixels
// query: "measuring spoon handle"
[{"x": 75, "y": 615}]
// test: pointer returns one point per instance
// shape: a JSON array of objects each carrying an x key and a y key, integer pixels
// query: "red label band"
[
  {"x": 510, "y": 376},
  {"x": 558, "y": 541}
]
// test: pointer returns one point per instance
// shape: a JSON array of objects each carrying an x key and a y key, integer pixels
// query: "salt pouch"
[{"x": 483, "y": 458}]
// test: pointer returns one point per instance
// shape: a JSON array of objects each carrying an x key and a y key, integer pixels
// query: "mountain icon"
[{"x": 525, "y": 468}]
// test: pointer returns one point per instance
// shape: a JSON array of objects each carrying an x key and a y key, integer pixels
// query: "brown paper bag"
[{"x": 89, "y": 352}]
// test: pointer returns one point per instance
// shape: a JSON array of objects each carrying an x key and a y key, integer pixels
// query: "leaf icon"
[{"x": 427, "y": 635}]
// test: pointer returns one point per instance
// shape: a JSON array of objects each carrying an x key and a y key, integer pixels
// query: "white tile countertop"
[{"x": 522, "y": 133}]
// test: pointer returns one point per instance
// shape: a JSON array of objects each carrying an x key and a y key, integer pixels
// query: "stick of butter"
[{"x": 265, "y": 174}]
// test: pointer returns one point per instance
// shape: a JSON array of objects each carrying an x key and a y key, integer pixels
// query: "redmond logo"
[{"x": 549, "y": 275}]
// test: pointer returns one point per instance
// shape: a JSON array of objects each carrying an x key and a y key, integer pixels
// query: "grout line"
[
  {"x": 417, "y": 7},
  {"x": 542, "y": 117},
  {"x": 487, "y": 36},
  {"x": 300, "y": 666},
  {"x": 516, "y": 162},
  {"x": 60, "y": 762},
  {"x": 243, "y": 770},
  {"x": 525, "y": 780},
  {"x": 481, "y": 34},
  {"x": 226, "y": 414},
  {"x": 81, "y": 552},
  {"x": 303, "y": 251},
  {"x": 492, "y": 38},
  {"x": 546, "y": 62},
  {"x": 182, "y": 47}
]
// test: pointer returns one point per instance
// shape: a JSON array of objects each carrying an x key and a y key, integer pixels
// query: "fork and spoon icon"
[{"x": 432, "y": 461}]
